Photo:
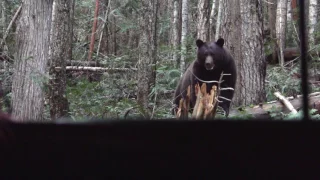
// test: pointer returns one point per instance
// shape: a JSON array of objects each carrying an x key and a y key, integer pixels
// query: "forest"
[{"x": 123, "y": 59}]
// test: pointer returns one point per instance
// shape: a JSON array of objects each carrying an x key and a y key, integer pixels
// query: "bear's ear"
[
  {"x": 220, "y": 42},
  {"x": 199, "y": 43}
]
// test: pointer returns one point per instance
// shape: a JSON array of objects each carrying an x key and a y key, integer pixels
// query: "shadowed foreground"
[{"x": 155, "y": 148}]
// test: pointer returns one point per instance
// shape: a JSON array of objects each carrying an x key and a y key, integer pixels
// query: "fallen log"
[
  {"x": 285, "y": 102},
  {"x": 84, "y": 63},
  {"x": 289, "y": 54},
  {"x": 86, "y": 68},
  {"x": 100, "y": 69},
  {"x": 264, "y": 110}
]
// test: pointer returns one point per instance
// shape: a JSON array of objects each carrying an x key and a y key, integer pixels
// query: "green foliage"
[
  {"x": 109, "y": 98},
  {"x": 166, "y": 82},
  {"x": 242, "y": 116},
  {"x": 192, "y": 49},
  {"x": 103, "y": 99},
  {"x": 282, "y": 80},
  {"x": 168, "y": 77},
  {"x": 115, "y": 94},
  {"x": 268, "y": 47},
  {"x": 299, "y": 116}
]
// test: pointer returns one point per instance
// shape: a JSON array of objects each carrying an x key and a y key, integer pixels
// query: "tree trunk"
[
  {"x": 94, "y": 29},
  {"x": 184, "y": 33},
  {"x": 307, "y": 21},
  {"x": 3, "y": 26},
  {"x": 72, "y": 2},
  {"x": 219, "y": 19},
  {"x": 3, "y": 16},
  {"x": 252, "y": 66},
  {"x": 175, "y": 26},
  {"x": 281, "y": 23},
  {"x": 104, "y": 24},
  {"x": 32, "y": 40},
  {"x": 211, "y": 21},
  {"x": 105, "y": 50},
  {"x": 114, "y": 36},
  {"x": 294, "y": 18},
  {"x": 147, "y": 53},
  {"x": 294, "y": 7},
  {"x": 272, "y": 10},
  {"x": 203, "y": 20},
  {"x": 312, "y": 21},
  {"x": 242, "y": 27},
  {"x": 61, "y": 43},
  {"x": 290, "y": 39}
]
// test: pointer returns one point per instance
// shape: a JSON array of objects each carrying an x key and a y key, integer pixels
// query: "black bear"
[{"x": 212, "y": 60}]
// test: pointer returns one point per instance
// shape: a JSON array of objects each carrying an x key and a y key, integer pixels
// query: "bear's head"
[{"x": 210, "y": 55}]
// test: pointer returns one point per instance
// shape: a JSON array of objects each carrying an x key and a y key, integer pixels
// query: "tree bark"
[
  {"x": 147, "y": 52},
  {"x": 290, "y": 37},
  {"x": 61, "y": 43},
  {"x": 272, "y": 10},
  {"x": 114, "y": 36},
  {"x": 105, "y": 45},
  {"x": 94, "y": 29},
  {"x": 211, "y": 21},
  {"x": 175, "y": 26},
  {"x": 104, "y": 23},
  {"x": 32, "y": 41},
  {"x": 184, "y": 33},
  {"x": 312, "y": 21},
  {"x": 3, "y": 16},
  {"x": 72, "y": 2},
  {"x": 294, "y": 18},
  {"x": 242, "y": 27},
  {"x": 218, "y": 27},
  {"x": 203, "y": 20},
  {"x": 281, "y": 23}
]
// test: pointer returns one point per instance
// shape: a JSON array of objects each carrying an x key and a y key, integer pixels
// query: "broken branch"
[{"x": 285, "y": 102}]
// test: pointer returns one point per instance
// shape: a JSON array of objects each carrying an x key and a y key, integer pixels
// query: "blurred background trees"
[{"x": 55, "y": 64}]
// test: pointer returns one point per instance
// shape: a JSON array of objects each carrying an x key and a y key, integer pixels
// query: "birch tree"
[
  {"x": 32, "y": 44},
  {"x": 203, "y": 20},
  {"x": 61, "y": 43},
  {"x": 281, "y": 23},
  {"x": 242, "y": 27},
  {"x": 184, "y": 32}
]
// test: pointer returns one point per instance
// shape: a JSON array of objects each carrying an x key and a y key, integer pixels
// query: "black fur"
[{"x": 222, "y": 61}]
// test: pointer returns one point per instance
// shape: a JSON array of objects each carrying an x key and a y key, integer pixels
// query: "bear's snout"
[{"x": 209, "y": 65}]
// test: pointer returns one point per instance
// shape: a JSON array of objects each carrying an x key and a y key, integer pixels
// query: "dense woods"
[{"x": 123, "y": 59}]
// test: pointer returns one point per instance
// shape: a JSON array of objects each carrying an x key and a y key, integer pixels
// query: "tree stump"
[{"x": 206, "y": 103}]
